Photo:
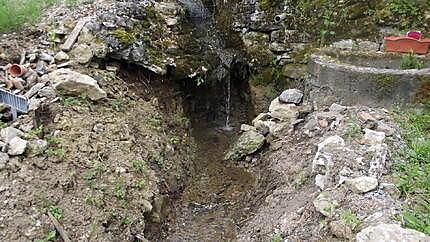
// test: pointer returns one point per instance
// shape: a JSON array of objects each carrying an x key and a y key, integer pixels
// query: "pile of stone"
[
  {"x": 285, "y": 112},
  {"x": 350, "y": 167}
]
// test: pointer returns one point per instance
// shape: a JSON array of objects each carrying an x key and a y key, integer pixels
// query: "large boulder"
[
  {"x": 248, "y": 143},
  {"x": 391, "y": 233},
  {"x": 73, "y": 83},
  {"x": 283, "y": 111}
]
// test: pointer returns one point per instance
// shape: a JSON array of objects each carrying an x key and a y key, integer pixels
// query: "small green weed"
[
  {"x": 126, "y": 221},
  {"x": 94, "y": 201},
  {"x": 117, "y": 105},
  {"x": 141, "y": 184},
  {"x": 277, "y": 238},
  {"x": 35, "y": 132},
  {"x": 3, "y": 125},
  {"x": 120, "y": 190},
  {"x": 411, "y": 61},
  {"x": 50, "y": 236},
  {"x": 175, "y": 140},
  {"x": 53, "y": 140},
  {"x": 138, "y": 165},
  {"x": 353, "y": 131},
  {"x": 56, "y": 152},
  {"x": 75, "y": 101},
  {"x": 351, "y": 219},
  {"x": 56, "y": 212}
]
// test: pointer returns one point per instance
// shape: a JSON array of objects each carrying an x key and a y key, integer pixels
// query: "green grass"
[
  {"x": 411, "y": 61},
  {"x": 412, "y": 176},
  {"x": 14, "y": 14},
  {"x": 351, "y": 219}
]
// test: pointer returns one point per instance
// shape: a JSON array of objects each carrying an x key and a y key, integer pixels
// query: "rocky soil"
[
  {"x": 325, "y": 173},
  {"x": 106, "y": 151}
]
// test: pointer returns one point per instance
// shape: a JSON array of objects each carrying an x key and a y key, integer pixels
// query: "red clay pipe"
[{"x": 17, "y": 70}]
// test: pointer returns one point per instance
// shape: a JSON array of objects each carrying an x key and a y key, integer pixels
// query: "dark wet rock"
[
  {"x": 291, "y": 96},
  {"x": 248, "y": 143}
]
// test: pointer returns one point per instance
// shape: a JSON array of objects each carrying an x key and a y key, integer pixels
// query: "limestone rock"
[
  {"x": 389, "y": 131},
  {"x": 48, "y": 92},
  {"x": 61, "y": 56},
  {"x": 291, "y": 96},
  {"x": 372, "y": 137},
  {"x": 321, "y": 181},
  {"x": 37, "y": 146},
  {"x": 82, "y": 53},
  {"x": 325, "y": 204},
  {"x": 248, "y": 143},
  {"x": 341, "y": 230},
  {"x": 4, "y": 158},
  {"x": 74, "y": 83},
  {"x": 17, "y": 146},
  {"x": 337, "y": 108},
  {"x": 8, "y": 133},
  {"x": 282, "y": 111},
  {"x": 246, "y": 127},
  {"x": 362, "y": 184},
  {"x": 391, "y": 233}
]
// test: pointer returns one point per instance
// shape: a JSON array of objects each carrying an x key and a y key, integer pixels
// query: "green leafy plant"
[
  {"x": 138, "y": 165},
  {"x": 35, "y": 132},
  {"x": 277, "y": 238},
  {"x": 50, "y": 236},
  {"x": 350, "y": 219},
  {"x": 327, "y": 30},
  {"x": 56, "y": 152},
  {"x": 353, "y": 131},
  {"x": 120, "y": 190},
  {"x": 56, "y": 212},
  {"x": 411, "y": 61}
]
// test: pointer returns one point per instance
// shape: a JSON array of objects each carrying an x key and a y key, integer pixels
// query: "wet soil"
[{"x": 211, "y": 206}]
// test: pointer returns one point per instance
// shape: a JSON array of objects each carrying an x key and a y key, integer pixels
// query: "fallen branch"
[{"x": 59, "y": 228}]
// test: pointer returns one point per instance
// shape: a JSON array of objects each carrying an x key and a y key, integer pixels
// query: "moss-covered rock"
[{"x": 248, "y": 143}]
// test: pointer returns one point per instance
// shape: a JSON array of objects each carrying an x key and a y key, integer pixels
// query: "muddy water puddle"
[{"x": 212, "y": 204}]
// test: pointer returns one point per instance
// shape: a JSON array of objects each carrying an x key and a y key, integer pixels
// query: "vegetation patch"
[
  {"x": 411, "y": 61},
  {"x": 412, "y": 176},
  {"x": 16, "y": 14}
]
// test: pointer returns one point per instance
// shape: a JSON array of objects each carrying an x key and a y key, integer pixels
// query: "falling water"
[{"x": 228, "y": 103}]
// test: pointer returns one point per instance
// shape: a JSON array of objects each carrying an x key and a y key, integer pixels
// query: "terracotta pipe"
[
  {"x": 16, "y": 70},
  {"x": 280, "y": 17}
]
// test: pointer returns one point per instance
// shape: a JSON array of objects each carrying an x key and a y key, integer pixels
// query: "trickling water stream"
[{"x": 212, "y": 205}]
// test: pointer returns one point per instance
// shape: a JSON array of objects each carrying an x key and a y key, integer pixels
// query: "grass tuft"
[{"x": 412, "y": 176}]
